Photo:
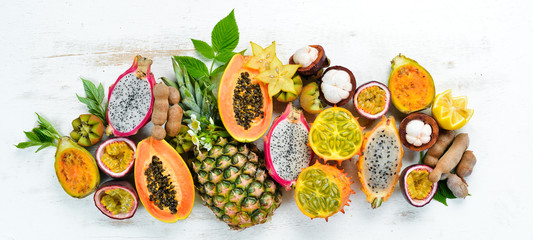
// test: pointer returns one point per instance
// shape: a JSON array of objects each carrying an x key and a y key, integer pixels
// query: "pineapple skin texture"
[{"x": 232, "y": 180}]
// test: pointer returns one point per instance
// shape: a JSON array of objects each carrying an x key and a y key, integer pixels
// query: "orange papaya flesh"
[
  {"x": 158, "y": 154},
  {"x": 243, "y": 129}
]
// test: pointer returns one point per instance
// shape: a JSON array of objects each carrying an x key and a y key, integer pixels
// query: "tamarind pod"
[
  {"x": 175, "y": 113},
  {"x": 160, "y": 110},
  {"x": 457, "y": 185},
  {"x": 444, "y": 140},
  {"x": 466, "y": 165},
  {"x": 158, "y": 132},
  {"x": 451, "y": 158},
  {"x": 159, "y": 115},
  {"x": 161, "y": 91},
  {"x": 174, "y": 96}
]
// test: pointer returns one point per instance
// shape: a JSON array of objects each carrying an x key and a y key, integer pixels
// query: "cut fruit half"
[
  {"x": 451, "y": 112},
  {"x": 322, "y": 190},
  {"x": 336, "y": 135}
]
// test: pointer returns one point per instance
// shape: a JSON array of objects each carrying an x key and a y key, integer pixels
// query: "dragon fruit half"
[
  {"x": 286, "y": 147},
  {"x": 131, "y": 99}
]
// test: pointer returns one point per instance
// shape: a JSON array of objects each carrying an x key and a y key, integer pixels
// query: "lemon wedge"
[{"x": 451, "y": 112}]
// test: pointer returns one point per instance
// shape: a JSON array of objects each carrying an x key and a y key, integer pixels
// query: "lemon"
[{"x": 451, "y": 112}]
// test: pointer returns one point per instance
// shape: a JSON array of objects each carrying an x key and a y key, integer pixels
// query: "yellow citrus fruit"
[{"x": 451, "y": 112}]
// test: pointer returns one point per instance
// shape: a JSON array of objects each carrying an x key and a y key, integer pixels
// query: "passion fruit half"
[
  {"x": 416, "y": 186},
  {"x": 116, "y": 199},
  {"x": 116, "y": 156},
  {"x": 418, "y": 131},
  {"x": 337, "y": 86},
  {"x": 372, "y": 100}
]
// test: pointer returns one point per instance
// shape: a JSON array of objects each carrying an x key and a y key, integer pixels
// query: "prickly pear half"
[
  {"x": 87, "y": 130},
  {"x": 286, "y": 147},
  {"x": 131, "y": 99},
  {"x": 75, "y": 168}
]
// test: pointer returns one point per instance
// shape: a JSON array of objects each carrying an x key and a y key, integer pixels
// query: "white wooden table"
[{"x": 479, "y": 48}]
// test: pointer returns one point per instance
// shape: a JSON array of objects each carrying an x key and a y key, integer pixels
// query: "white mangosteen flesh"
[
  {"x": 305, "y": 56},
  {"x": 417, "y": 133},
  {"x": 336, "y": 85}
]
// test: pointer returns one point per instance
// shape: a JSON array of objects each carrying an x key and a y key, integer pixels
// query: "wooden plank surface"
[{"x": 477, "y": 48}]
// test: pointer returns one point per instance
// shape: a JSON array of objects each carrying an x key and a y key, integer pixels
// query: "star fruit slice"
[
  {"x": 261, "y": 58},
  {"x": 279, "y": 77}
]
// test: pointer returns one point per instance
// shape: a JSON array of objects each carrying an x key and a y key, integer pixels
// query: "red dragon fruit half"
[
  {"x": 286, "y": 147},
  {"x": 131, "y": 99}
]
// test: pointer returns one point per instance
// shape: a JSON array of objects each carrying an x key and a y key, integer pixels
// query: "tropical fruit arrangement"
[{"x": 206, "y": 122}]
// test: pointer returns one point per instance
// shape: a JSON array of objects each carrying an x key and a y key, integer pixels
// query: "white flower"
[
  {"x": 195, "y": 141},
  {"x": 208, "y": 146},
  {"x": 211, "y": 121},
  {"x": 195, "y": 124},
  {"x": 191, "y": 133}
]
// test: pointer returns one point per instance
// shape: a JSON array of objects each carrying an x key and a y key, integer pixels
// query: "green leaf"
[
  {"x": 168, "y": 82},
  {"x": 224, "y": 56},
  {"x": 43, "y": 123},
  {"x": 90, "y": 89},
  {"x": 203, "y": 48},
  {"x": 198, "y": 93},
  {"x": 42, "y": 136},
  {"x": 44, "y": 145},
  {"x": 94, "y": 99},
  {"x": 225, "y": 34},
  {"x": 32, "y": 136},
  {"x": 218, "y": 70},
  {"x": 195, "y": 67},
  {"x": 101, "y": 93},
  {"x": 27, "y": 144},
  {"x": 443, "y": 193}
]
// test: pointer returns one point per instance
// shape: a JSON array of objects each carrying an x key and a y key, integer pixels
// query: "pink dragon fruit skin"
[
  {"x": 121, "y": 116},
  {"x": 288, "y": 144}
]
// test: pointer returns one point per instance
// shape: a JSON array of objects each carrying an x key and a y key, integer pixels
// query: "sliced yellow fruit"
[
  {"x": 262, "y": 57},
  {"x": 451, "y": 112}
]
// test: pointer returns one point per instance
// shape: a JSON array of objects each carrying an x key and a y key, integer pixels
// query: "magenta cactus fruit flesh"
[
  {"x": 116, "y": 156},
  {"x": 415, "y": 185},
  {"x": 116, "y": 199},
  {"x": 286, "y": 147},
  {"x": 131, "y": 99}
]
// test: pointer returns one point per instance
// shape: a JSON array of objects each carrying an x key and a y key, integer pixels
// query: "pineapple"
[{"x": 230, "y": 175}]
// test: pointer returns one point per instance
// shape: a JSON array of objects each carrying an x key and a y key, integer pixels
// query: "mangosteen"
[
  {"x": 372, "y": 100},
  {"x": 116, "y": 156},
  {"x": 337, "y": 86},
  {"x": 312, "y": 58},
  {"x": 416, "y": 186},
  {"x": 418, "y": 131},
  {"x": 116, "y": 199}
]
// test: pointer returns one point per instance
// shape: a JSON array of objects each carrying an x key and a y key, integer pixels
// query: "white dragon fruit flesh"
[
  {"x": 286, "y": 147},
  {"x": 131, "y": 99}
]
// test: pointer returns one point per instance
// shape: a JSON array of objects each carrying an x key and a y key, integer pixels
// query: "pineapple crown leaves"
[{"x": 199, "y": 104}]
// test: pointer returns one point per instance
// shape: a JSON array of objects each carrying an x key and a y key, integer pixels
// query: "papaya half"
[
  {"x": 163, "y": 181},
  {"x": 243, "y": 101}
]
